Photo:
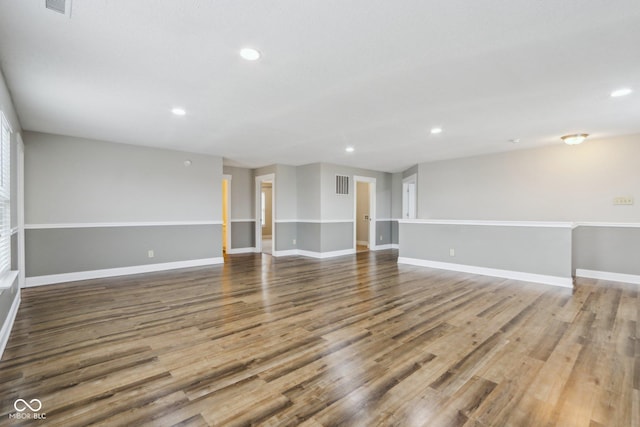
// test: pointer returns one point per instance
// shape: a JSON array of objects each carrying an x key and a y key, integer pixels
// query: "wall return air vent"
[
  {"x": 56, "y": 5},
  {"x": 342, "y": 184}
]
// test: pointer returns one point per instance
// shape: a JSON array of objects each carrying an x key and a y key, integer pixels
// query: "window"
[
  {"x": 263, "y": 208},
  {"x": 5, "y": 195}
]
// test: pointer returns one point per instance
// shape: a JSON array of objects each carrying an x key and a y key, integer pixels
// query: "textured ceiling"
[{"x": 370, "y": 73}]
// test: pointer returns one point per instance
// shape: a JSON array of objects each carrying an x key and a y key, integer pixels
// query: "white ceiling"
[{"x": 375, "y": 74}]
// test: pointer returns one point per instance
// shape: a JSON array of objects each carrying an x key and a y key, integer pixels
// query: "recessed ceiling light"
[
  {"x": 621, "y": 92},
  {"x": 178, "y": 111},
  {"x": 436, "y": 130},
  {"x": 575, "y": 139},
  {"x": 349, "y": 149},
  {"x": 514, "y": 140},
  {"x": 250, "y": 54}
]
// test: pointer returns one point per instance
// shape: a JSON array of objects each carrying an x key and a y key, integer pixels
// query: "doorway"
[
  {"x": 362, "y": 216},
  {"x": 409, "y": 185},
  {"x": 364, "y": 233},
  {"x": 265, "y": 214},
  {"x": 226, "y": 211}
]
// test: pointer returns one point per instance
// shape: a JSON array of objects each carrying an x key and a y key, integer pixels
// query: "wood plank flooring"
[{"x": 356, "y": 340}]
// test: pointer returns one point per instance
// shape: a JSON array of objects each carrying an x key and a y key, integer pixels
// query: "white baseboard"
[
  {"x": 289, "y": 252},
  {"x": 386, "y": 246},
  {"x": 312, "y": 254},
  {"x": 565, "y": 282},
  {"x": 121, "y": 271},
  {"x": 331, "y": 254},
  {"x": 5, "y": 332},
  {"x": 241, "y": 251},
  {"x": 605, "y": 275}
]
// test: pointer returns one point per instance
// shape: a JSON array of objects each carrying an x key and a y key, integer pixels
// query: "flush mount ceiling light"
[
  {"x": 514, "y": 140},
  {"x": 436, "y": 130},
  {"x": 250, "y": 54},
  {"x": 575, "y": 139},
  {"x": 178, "y": 111},
  {"x": 621, "y": 92},
  {"x": 349, "y": 149}
]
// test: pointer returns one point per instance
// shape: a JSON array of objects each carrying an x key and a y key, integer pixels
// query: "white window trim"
[{"x": 5, "y": 199}]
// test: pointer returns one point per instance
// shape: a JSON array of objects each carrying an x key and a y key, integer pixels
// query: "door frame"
[
  {"x": 226, "y": 177},
  {"x": 372, "y": 210},
  {"x": 258, "y": 193},
  {"x": 406, "y": 214}
]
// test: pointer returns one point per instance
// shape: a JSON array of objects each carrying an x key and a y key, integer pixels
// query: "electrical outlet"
[
  {"x": 381, "y": 237},
  {"x": 623, "y": 200},
  {"x": 151, "y": 253},
  {"x": 452, "y": 252},
  {"x": 293, "y": 241}
]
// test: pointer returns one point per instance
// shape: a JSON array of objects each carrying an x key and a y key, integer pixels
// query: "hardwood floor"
[{"x": 356, "y": 340}]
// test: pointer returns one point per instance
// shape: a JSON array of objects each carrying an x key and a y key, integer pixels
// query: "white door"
[
  {"x": 409, "y": 188},
  {"x": 372, "y": 210}
]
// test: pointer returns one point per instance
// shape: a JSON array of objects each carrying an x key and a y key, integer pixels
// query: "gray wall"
[
  {"x": 538, "y": 250},
  {"x": 396, "y": 195},
  {"x": 308, "y": 191},
  {"x": 285, "y": 196},
  {"x": 336, "y": 236},
  {"x": 396, "y": 204},
  {"x": 68, "y": 250},
  {"x": 385, "y": 232},
  {"x": 287, "y": 233},
  {"x": 285, "y": 189},
  {"x": 7, "y": 107},
  {"x": 305, "y": 195},
  {"x": 413, "y": 170},
  {"x": 286, "y": 192},
  {"x": 608, "y": 249},
  {"x": 73, "y": 180},
  {"x": 14, "y": 251},
  {"x": 243, "y": 234},
  {"x": 242, "y": 189},
  {"x": 553, "y": 183},
  {"x": 395, "y": 232},
  {"x": 339, "y": 207},
  {"x": 242, "y": 207},
  {"x": 309, "y": 236}
]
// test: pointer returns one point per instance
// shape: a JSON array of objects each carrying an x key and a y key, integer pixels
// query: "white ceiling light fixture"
[
  {"x": 250, "y": 54},
  {"x": 349, "y": 149},
  {"x": 514, "y": 140},
  {"x": 436, "y": 131},
  {"x": 621, "y": 92},
  {"x": 574, "y": 139},
  {"x": 178, "y": 111}
]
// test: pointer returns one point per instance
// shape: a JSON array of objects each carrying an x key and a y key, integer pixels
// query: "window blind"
[{"x": 5, "y": 195}]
